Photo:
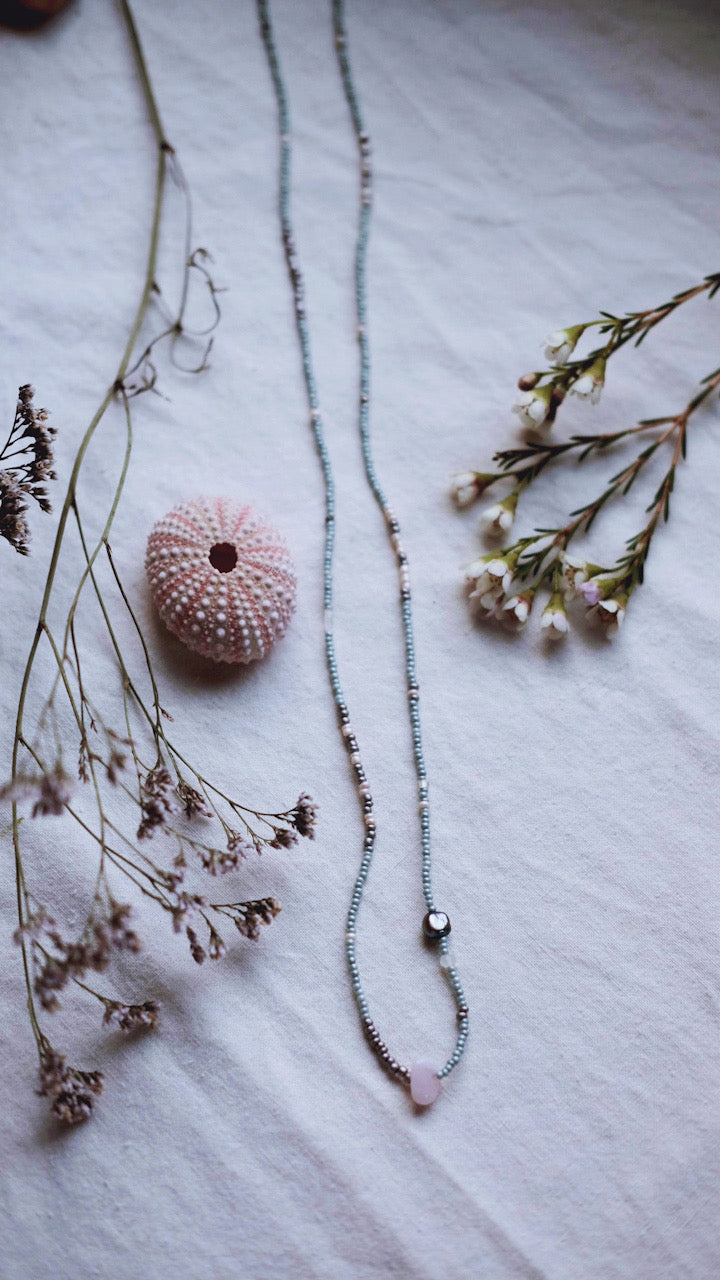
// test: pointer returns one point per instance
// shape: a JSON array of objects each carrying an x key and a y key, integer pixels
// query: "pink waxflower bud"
[{"x": 590, "y": 591}]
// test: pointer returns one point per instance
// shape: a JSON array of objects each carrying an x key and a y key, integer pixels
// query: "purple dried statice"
[
  {"x": 117, "y": 756},
  {"x": 238, "y": 843},
  {"x": 55, "y": 792},
  {"x": 28, "y": 457},
  {"x": 72, "y": 960},
  {"x": 13, "y": 510},
  {"x": 31, "y": 425},
  {"x": 37, "y": 923},
  {"x": 196, "y": 950},
  {"x": 50, "y": 791},
  {"x": 248, "y": 916},
  {"x": 73, "y": 1092},
  {"x": 185, "y": 904},
  {"x": 216, "y": 946},
  {"x": 121, "y": 937},
  {"x": 284, "y": 838},
  {"x": 304, "y": 816},
  {"x": 50, "y": 979},
  {"x": 192, "y": 801},
  {"x": 219, "y": 861},
  {"x": 132, "y": 1017},
  {"x": 156, "y": 800},
  {"x": 25, "y": 465}
]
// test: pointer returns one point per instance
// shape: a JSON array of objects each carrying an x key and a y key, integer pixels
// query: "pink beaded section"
[{"x": 221, "y": 578}]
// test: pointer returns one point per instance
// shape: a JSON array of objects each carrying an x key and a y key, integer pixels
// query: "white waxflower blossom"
[
  {"x": 475, "y": 571},
  {"x": 486, "y": 605},
  {"x": 496, "y": 519},
  {"x": 532, "y": 406},
  {"x": 587, "y": 388},
  {"x": 590, "y": 384},
  {"x": 554, "y": 620},
  {"x": 610, "y": 614},
  {"x": 490, "y": 579},
  {"x": 554, "y": 623},
  {"x": 560, "y": 344},
  {"x": 489, "y": 573},
  {"x": 557, "y": 347},
  {"x": 466, "y": 486},
  {"x": 516, "y": 611},
  {"x": 463, "y": 489},
  {"x": 575, "y": 572}
]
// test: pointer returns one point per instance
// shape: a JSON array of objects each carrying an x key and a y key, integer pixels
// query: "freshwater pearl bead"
[{"x": 436, "y": 925}]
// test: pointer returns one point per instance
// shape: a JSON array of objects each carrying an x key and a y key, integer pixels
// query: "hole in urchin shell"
[{"x": 223, "y": 557}]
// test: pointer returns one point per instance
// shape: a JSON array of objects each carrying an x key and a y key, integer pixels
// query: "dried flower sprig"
[
  {"x": 73, "y": 1092},
  {"x": 25, "y": 467},
  {"x": 503, "y": 584},
  {"x": 135, "y": 789}
]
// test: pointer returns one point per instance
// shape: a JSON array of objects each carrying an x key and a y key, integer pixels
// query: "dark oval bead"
[{"x": 436, "y": 925}]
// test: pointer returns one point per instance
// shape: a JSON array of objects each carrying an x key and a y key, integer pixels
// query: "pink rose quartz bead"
[
  {"x": 222, "y": 579},
  {"x": 425, "y": 1086}
]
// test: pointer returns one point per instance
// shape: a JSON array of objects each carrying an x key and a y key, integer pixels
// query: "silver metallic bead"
[{"x": 436, "y": 925}]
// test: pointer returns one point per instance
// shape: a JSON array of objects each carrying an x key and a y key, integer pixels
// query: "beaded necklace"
[{"x": 422, "y": 1079}]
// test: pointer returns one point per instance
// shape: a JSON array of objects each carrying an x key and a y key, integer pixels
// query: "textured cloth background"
[{"x": 534, "y": 162}]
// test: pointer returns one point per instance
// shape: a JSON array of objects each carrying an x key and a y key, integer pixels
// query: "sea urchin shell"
[{"x": 222, "y": 579}]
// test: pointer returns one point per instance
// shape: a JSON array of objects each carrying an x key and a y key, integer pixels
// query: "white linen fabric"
[{"x": 536, "y": 160}]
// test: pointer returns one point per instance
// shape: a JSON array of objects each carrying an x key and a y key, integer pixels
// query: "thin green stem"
[
  {"x": 141, "y": 637},
  {"x": 90, "y": 559},
  {"x": 148, "y": 93},
  {"x": 142, "y": 308},
  {"x": 126, "y": 678},
  {"x": 63, "y": 675}
]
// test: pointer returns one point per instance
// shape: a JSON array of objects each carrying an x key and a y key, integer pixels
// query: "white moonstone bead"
[{"x": 425, "y": 1086}]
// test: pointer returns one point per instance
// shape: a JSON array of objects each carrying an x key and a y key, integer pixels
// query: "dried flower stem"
[{"x": 168, "y": 792}]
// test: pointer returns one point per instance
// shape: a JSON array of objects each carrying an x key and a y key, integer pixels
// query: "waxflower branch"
[
  {"x": 135, "y": 768},
  {"x": 543, "y": 390},
  {"x": 503, "y": 585}
]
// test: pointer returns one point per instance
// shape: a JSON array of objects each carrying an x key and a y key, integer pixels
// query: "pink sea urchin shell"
[{"x": 222, "y": 579}]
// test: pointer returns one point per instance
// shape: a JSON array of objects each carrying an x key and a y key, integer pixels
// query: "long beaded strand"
[{"x": 423, "y": 1080}]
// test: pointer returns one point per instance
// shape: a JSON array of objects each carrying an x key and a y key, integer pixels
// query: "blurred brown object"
[
  {"x": 46, "y": 7},
  {"x": 23, "y": 15}
]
